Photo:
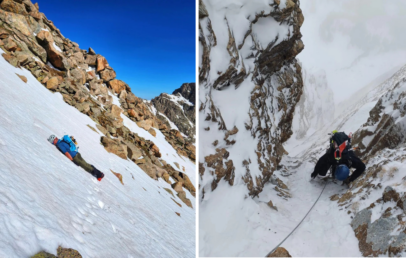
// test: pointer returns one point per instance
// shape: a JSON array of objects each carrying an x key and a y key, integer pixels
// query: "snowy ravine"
[
  {"x": 47, "y": 201},
  {"x": 366, "y": 220}
]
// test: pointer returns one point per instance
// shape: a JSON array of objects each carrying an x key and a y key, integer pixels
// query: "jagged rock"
[
  {"x": 12, "y": 6},
  {"x": 280, "y": 252},
  {"x": 119, "y": 176},
  {"x": 133, "y": 152},
  {"x": 23, "y": 78},
  {"x": 188, "y": 91},
  {"x": 52, "y": 84},
  {"x": 145, "y": 124},
  {"x": 117, "y": 85},
  {"x": 185, "y": 200},
  {"x": 91, "y": 51},
  {"x": 55, "y": 57},
  {"x": 91, "y": 60},
  {"x": 101, "y": 63},
  {"x": 102, "y": 129},
  {"x": 67, "y": 253},
  {"x": 390, "y": 194},
  {"x": 108, "y": 74},
  {"x": 3, "y": 33},
  {"x": 177, "y": 187},
  {"x": 10, "y": 44},
  {"x": 114, "y": 146},
  {"x": 78, "y": 76},
  {"x": 43, "y": 254},
  {"x": 155, "y": 151},
  {"x": 270, "y": 204},
  {"x": 83, "y": 107},
  {"x": 152, "y": 132},
  {"x": 222, "y": 169}
]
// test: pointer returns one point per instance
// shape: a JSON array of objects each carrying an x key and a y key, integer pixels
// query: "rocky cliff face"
[
  {"x": 87, "y": 82},
  {"x": 177, "y": 110},
  {"x": 316, "y": 106},
  {"x": 377, "y": 199},
  {"x": 250, "y": 83}
]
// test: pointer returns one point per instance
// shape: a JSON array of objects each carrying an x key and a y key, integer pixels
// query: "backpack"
[
  {"x": 68, "y": 140},
  {"x": 340, "y": 143}
]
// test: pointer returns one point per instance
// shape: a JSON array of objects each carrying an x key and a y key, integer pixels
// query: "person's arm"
[{"x": 69, "y": 156}]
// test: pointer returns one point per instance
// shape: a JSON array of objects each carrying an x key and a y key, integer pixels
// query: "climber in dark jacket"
[
  {"x": 67, "y": 145},
  {"x": 341, "y": 156}
]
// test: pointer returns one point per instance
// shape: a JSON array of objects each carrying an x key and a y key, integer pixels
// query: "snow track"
[{"x": 46, "y": 200}]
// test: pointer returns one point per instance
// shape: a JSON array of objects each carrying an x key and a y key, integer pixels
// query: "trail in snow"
[{"x": 46, "y": 200}]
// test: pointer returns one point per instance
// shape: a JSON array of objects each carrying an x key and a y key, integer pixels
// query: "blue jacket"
[{"x": 66, "y": 145}]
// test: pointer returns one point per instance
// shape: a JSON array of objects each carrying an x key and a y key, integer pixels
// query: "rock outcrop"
[
  {"x": 177, "y": 110},
  {"x": 87, "y": 82},
  {"x": 249, "y": 80}
]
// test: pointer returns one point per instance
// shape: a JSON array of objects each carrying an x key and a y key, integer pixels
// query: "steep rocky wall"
[
  {"x": 87, "y": 82},
  {"x": 377, "y": 199},
  {"x": 178, "y": 108},
  {"x": 250, "y": 83}
]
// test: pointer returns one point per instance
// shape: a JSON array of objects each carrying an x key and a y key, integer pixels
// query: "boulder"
[
  {"x": 145, "y": 124},
  {"x": 133, "y": 152},
  {"x": 91, "y": 51},
  {"x": 83, "y": 107},
  {"x": 155, "y": 151},
  {"x": 131, "y": 98},
  {"x": 1, "y": 43},
  {"x": 12, "y": 6},
  {"x": 114, "y": 146},
  {"x": 91, "y": 60},
  {"x": 91, "y": 75},
  {"x": 177, "y": 187},
  {"x": 55, "y": 57},
  {"x": 101, "y": 63},
  {"x": 80, "y": 96},
  {"x": 152, "y": 132},
  {"x": 52, "y": 84},
  {"x": 108, "y": 74},
  {"x": 3, "y": 33},
  {"x": 10, "y": 44},
  {"x": 78, "y": 56},
  {"x": 117, "y": 85},
  {"x": 78, "y": 76},
  {"x": 182, "y": 196},
  {"x": 280, "y": 252}
]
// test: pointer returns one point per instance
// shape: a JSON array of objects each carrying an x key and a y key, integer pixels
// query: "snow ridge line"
[{"x": 299, "y": 222}]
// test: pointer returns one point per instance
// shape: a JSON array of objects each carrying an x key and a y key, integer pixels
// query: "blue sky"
[{"x": 150, "y": 44}]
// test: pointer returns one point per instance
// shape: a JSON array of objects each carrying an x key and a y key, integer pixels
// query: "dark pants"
[
  {"x": 78, "y": 160},
  {"x": 349, "y": 159}
]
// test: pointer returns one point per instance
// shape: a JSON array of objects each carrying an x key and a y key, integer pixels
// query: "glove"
[{"x": 314, "y": 174}]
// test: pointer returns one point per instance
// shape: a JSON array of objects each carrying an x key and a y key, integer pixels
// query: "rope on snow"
[{"x": 299, "y": 222}]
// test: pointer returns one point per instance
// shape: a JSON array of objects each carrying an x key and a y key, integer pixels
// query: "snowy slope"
[
  {"x": 46, "y": 200},
  {"x": 236, "y": 225}
]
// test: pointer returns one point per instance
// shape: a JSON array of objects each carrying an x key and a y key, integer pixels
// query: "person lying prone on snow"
[{"x": 67, "y": 145}]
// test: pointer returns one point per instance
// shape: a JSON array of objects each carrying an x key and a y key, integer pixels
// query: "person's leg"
[
  {"x": 357, "y": 164},
  {"x": 323, "y": 165},
  {"x": 78, "y": 160}
]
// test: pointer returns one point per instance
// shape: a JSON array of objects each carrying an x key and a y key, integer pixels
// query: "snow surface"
[{"x": 47, "y": 201}]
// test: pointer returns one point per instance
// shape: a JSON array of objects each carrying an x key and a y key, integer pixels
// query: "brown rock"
[
  {"x": 155, "y": 151},
  {"x": 152, "y": 132},
  {"x": 119, "y": 176},
  {"x": 91, "y": 75},
  {"x": 91, "y": 51},
  {"x": 55, "y": 57},
  {"x": 131, "y": 112},
  {"x": 23, "y": 78},
  {"x": 165, "y": 176},
  {"x": 145, "y": 124},
  {"x": 1, "y": 43},
  {"x": 108, "y": 74},
  {"x": 45, "y": 80},
  {"x": 101, "y": 63},
  {"x": 114, "y": 146},
  {"x": 78, "y": 76},
  {"x": 117, "y": 85},
  {"x": 83, "y": 107},
  {"x": 91, "y": 60},
  {"x": 67, "y": 253},
  {"x": 280, "y": 252},
  {"x": 3, "y": 33},
  {"x": 177, "y": 187},
  {"x": 52, "y": 84},
  {"x": 182, "y": 196},
  {"x": 9, "y": 44},
  {"x": 12, "y": 6}
]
